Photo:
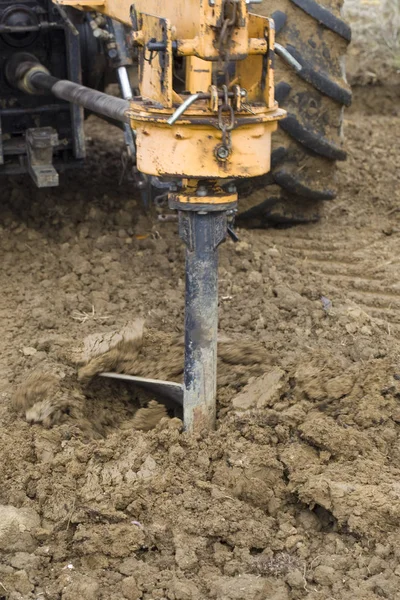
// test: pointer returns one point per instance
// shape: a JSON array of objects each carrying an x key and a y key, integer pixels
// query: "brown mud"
[{"x": 296, "y": 495}]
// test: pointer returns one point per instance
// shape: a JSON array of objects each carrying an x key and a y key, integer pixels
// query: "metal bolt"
[
  {"x": 164, "y": 218},
  {"x": 231, "y": 188},
  {"x": 222, "y": 152},
  {"x": 201, "y": 190}
]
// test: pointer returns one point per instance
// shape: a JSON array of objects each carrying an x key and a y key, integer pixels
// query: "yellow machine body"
[{"x": 189, "y": 148}]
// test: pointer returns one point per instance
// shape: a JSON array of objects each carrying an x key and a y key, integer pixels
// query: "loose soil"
[{"x": 296, "y": 495}]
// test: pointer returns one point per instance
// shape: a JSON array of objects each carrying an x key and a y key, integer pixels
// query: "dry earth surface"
[
  {"x": 297, "y": 494},
  {"x": 374, "y": 54}
]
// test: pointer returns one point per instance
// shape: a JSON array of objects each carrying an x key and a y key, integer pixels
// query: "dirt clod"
[{"x": 17, "y": 528}]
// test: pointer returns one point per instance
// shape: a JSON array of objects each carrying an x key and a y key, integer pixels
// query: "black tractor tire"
[{"x": 314, "y": 91}]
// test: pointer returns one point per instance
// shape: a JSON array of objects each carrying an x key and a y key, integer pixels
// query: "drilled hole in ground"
[{"x": 326, "y": 518}]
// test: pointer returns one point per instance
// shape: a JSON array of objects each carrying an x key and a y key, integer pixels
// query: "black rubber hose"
[{"x": 97, "y": 102}]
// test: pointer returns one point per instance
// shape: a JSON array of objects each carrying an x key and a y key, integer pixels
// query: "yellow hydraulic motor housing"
[{"x": 225, "y": 130}]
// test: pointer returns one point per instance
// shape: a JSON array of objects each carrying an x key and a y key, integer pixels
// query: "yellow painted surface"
[
  {"x": 190, "y": 150},
  {"x": 188, "y": 198},
  {"x": 184, "y": 15},
  {"x": 155, "y": 78},
  {"x": 198, "y": 74}
]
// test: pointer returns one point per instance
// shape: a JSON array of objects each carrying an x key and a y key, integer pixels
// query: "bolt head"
[
  {"x": 201, "y": 191},
  {"x": 222, "y": 152}
]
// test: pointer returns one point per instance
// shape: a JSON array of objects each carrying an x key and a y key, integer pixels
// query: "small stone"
[
  {"x": 365, "y": 330},
  {"x": 24, "y": 560},
  {"x": 309, "y": 521},
  {"x": 47, "y": 322},
  {"x": 376, "y": 565},
  {"x": 295, "y": 579},
  {"x": 82, "y": 587},
  {"x": 42, "y": 534},
  {"x": 22, "y": 583},
  {"x": 105, "y": 243},
  {"x": 242, "y": 247},
  {"x": 6, "y": 569},
  {"x": 292, "y": 541},
  {"x": 324, "y": 575},
  {"x": 288, "y": 299},
  {"x": 80, "y": 266},
  {"x": 28, "y": 351},
  {"x": 185, "y": 558},
  {"x": 185, "y": 590},
  {"x": 43, "y": 551},
  {"x": 129, "y": 566},
  {"x": 255, "y": 278},
  {"x": 351, "y": 328},
  {"x": 130, "y": 589}
]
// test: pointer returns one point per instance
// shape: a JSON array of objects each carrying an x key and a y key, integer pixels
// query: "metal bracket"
[
  {"x": 40, "y": 142},
  {"x": 211, "y": 235}
]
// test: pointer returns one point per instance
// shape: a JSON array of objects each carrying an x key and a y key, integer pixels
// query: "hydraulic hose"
[
  {"x": 25, "y": 72},
  {"x": 97, "y": 102}
]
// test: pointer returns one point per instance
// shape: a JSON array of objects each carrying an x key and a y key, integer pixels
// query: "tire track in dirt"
[{"x": 349, "y": 267}]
